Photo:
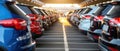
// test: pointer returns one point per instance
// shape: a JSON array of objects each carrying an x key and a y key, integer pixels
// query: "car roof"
[
  {"x": 3, "y": 13},
  {"x": 3, "y": 1}
]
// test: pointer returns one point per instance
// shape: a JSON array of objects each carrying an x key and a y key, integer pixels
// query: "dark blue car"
[{"x": 14, "y": 32}]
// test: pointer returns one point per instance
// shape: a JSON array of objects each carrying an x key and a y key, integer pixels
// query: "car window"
[
  {"x": 39, "y": 11},
  {"x": 69, "y": 12},
  {"x": 79, "y": 10},
  {"x": 94, "y": 8},
  {"x": 74, "y": 11},
  {"x": 82, "y": 10},
  {"x": 87, "y": 10},
  {"x": 95, "y": 12},
  {"x": 25, "y": 9},
  {"x": 115, "y": 11},
  {"x": 43, "y": 12},
  {"x": 99, "y": 10},
  {"x": 104, "y": 12},
  {"x": 46, "y": 12}
]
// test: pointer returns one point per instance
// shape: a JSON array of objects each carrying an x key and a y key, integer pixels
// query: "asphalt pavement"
[{"x": 64, "y": 37}]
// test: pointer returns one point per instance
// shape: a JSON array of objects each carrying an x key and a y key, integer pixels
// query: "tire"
[
  {"x": 2, "y": 49},
  {"x": 33, "y": 49},
  {"x": 34, "y": 36}
]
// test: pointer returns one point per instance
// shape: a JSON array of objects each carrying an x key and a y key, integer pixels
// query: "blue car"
[{"x": 14, "y": 32}]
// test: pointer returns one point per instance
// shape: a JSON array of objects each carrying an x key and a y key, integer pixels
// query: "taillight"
[
  {"x": 113, "y": 49},
  {"x": 43, "y": 17},
  {"x": 115, "y": 21},
  {"x": 16, "y": 23},
  {"x": 98, "y": 18},
  {"x": 35, "y": 28},
  {"x": 96, "y": 37},
  {"x": 86, "y": 17},
  {"x": 33, "y": 16}
]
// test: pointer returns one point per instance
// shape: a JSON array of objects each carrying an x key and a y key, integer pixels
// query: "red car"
[{"x": 35, "y": 26}]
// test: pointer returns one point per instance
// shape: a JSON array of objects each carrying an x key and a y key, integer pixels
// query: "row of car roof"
[
  {"x": 101, "y": 23},
  {"x": 20, "y": 25}
]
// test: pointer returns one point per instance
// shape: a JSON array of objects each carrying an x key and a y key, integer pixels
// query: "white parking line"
[{"x": 65, "y": 39}]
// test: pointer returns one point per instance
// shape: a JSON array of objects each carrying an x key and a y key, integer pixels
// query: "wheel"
[
  {"x": 33, "y": 49},
  {"x": 34, "y": 36},
  {"x": 2, "y": 49}
]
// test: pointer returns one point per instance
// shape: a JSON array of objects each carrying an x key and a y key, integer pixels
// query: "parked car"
[
  {"x": 85, "y": 18},
  {"x": 38, "y": 19},
  {"x": 52, "y": 16},
  {"x": 44, "y": 21},
  {"x": 69, "y": 15},
  {"x": 35, "y": 26},
  {"x": 95, "y": 29},
  {"x": 14, "y": 29},
  {"x": 56, "y": 14},
  {"x": 110, "y": 39},
  {"x": 48, "y": 17},
  {"x": 74, "y": 18}
]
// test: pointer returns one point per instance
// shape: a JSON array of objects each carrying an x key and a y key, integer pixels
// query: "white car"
[{"x": 85, "y": 19}]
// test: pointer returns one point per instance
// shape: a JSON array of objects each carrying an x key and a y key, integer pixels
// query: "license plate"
[{"x": 105, "y": 28}]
